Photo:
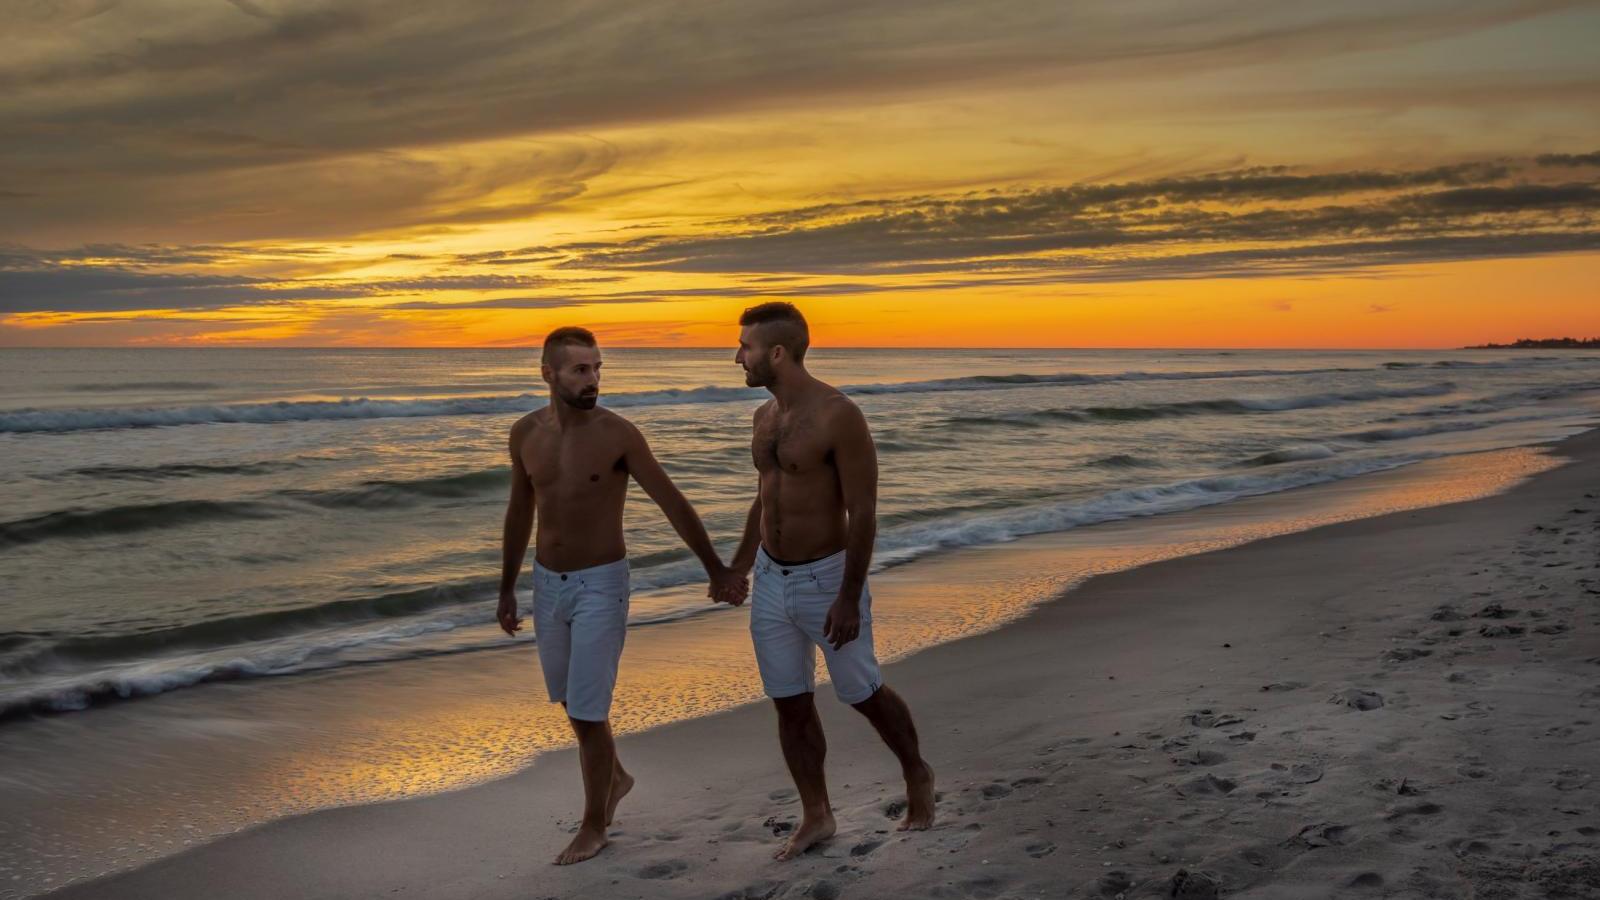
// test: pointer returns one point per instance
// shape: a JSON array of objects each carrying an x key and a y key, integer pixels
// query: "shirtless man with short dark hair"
[
  {"x": 571, "y": 462},
  {"x": 809, "y": 538}
]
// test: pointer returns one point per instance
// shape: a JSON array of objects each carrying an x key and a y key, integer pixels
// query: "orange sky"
[{"x": 944, "y": 174}]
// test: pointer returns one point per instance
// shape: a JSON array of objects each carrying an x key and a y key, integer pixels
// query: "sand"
[{"x": 1403, "y": 706}]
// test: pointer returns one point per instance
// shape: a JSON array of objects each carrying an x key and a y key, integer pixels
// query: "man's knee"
[
  {"x": 587, "y": 729},
  {"x": 875, "y": 701},
  {"x": 796, "y": 708}
]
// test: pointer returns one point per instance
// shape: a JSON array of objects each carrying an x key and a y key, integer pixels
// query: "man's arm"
[
  {"x": 745, "y": 557},
  {"x": 514, "y": 545},
  {"x": 646, "y": 470},
  {"x": 856, "y": 458}
]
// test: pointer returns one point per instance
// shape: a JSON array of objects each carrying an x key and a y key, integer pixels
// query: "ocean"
[{"x": 171, "y": 517}]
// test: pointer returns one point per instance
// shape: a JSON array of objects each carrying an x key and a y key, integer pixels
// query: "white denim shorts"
[
  {"x": 580, "y": 620},
  {"x": 788, "y": 607}
]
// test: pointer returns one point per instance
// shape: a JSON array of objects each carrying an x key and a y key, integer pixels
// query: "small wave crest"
[
  {"x": 1222, "y": 406},
  {"x": 83, "y": 523},
  {"x": 1291, "y": 454},
  {"x": 1124, "y": 461},
  {"x": 116, "y": 387},
  {"x": 179, "y": 470}
]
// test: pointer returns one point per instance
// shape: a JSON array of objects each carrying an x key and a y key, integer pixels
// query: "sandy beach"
[{"x": 1399, "y": 706}]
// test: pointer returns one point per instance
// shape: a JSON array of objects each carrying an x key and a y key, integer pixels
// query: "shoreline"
[{"x": 543, "y": 794}]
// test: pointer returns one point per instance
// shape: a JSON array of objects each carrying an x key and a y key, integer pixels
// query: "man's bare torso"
[
  {"x": 802, "y": 500},
  {"x": 579, "y": 476}
]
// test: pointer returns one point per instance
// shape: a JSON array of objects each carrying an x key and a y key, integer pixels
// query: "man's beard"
[
  {"x": 758, "y": 375},
  {"x": 579, "y": 401}
]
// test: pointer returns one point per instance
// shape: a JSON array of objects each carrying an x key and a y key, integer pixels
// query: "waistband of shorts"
[
  {"x": 828, "y": 563},
  {"x": 619, "y": 567}
]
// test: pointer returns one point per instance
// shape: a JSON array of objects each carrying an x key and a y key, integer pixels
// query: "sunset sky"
[{"x": 1064, "y": 173}]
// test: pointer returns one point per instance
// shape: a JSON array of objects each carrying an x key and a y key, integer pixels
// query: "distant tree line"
[{"x": 1565, "y": 343}]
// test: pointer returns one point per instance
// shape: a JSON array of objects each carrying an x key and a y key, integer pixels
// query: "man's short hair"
[
  {"x": 566, "y": 336},
  {"x": 787, "y": 328}
]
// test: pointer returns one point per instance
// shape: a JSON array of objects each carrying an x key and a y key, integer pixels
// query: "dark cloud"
[
  {"x": 29, "y": 285},
  {"x": 1569, "y": 159},
  {"x": 304, "y": 118},
  {"x": 111, "y": 288},
  {"x": 1000, "y": 231}
]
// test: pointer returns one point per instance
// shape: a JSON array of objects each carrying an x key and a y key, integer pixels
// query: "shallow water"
[{"x": 175, "y": 517}]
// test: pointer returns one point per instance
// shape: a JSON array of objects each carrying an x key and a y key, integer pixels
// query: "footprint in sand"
[
  {"x": 1358, "y": 699},
  {"x": 982, "y": 887},
  {"x": 1201, "y": 758},
  {"x": 995, "y": 791},
  {"x": 823, "y": 890},
  {"x": 1205, "y": 718},
  {"x": 1208, "y": 784},
  {"x": 761, "y": 890},
  {"x": 1304, "y": 773},
  {"x": 1114, "y": 884},
  {"x": 1405, "y": 654},
  {"x": 1414, "y": 809},
  {"x": 661, "y": 871},
  {"x": 1187, "y": 885},
  {"x": 1371, "y": 880},
  {"x": 865, "y": 847},
  {"x": 1321, "y": 834},
  {"x": 1570, "y": 779},
  {"x": 1284, "y": 686},
  {"x": 1462, "y": 847},
  {"x": 950, "y": 841},
  {"x": 1039, "y": 849}
]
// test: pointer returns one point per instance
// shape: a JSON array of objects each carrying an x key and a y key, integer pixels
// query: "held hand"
[
  {"x": 844, "y": 621},
  {"x": 728, "y": 586},
  {"x": 507, "y": 614}
]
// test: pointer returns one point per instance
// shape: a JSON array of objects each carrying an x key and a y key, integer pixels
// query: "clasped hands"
[{"x": 728, "y": 586}]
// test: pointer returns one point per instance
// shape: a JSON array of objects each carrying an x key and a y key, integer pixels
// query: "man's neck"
[{"x": 792, "y": 387}]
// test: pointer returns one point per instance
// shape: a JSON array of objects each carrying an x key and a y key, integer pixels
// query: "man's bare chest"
[
  {"x": 554, "y": 463},
  {"x": 792, "y": 445}
]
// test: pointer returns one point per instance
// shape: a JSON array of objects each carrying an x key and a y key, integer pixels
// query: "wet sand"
[{"x": 1402, "y": 706}]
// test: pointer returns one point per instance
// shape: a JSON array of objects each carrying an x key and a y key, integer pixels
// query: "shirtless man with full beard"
[
  {"x": 809, "y": 539},
  {"x": 571, "y": 462}
]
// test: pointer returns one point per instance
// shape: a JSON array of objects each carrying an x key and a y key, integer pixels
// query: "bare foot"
[
  {"x": 810, "y": 833},
  {"x": 919, "y": 801},
  {"x": 619, "y": 789},
  {"x": 587, "y": 843}
]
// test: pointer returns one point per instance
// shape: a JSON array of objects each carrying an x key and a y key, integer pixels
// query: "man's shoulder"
[
  {"x": 835, "y": 404},
  {"x": 527, "y": 423},
  {"x": 613, "y": 425}
]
